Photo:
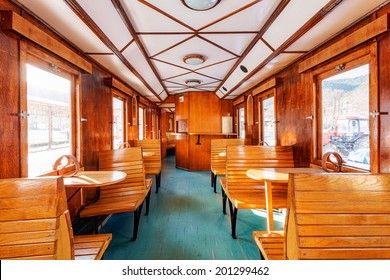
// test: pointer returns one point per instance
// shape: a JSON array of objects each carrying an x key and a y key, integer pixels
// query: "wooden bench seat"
[
  {"x": 127, "y": 195},
  {"x": 35, "y": 223},
  {"x": 218, "y": 162},
  {"x": 243, "y": 192},
  {"x": 334, "y": 217},
  {"x": 152, "y": 161},
  {"x": 270, "y": 244}
]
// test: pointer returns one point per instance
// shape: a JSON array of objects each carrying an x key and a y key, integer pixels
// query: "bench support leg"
[
  {"x": 147, "y": 203},
  {"x": 137, "y": 216},
  {"x": 212, "y": 179},
  {"x": 158, "y": 181},
  {"x": 224, "y": 198},
  {"x": 233, "y": 218},
  {"x": 215, "y": 183}
]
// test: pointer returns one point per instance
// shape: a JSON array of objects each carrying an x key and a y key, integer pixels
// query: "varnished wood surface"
[
  {"x": 338, "y": 216},
  {"x": 278, "y": 175},
  {"x": 35, "y": 222},
  {"x": 94, "y": 178}
]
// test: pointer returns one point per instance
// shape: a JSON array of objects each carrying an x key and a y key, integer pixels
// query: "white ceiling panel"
[
  {"x": 58, "y": 15},
  {"x": 251, "y": 19},
  {"x": 293, "y": 17},
  {"x": 167, "y": 70},
  {"x": 146, "y": 19},
  {"x": 160, "y": 42},
  {"x": 346, "y": 13},
  {"x": 219, "y": 70},
  {"x": 197, "y": 19},
  {"x": 235, "y": 43},
  {"x": 113, "y": 64},
  {"x": 135, "y": 57},
  {"x": 108, "y": 20}
]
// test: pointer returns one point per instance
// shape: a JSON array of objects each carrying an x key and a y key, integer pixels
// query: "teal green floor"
[{"x": 185, "y": 222}]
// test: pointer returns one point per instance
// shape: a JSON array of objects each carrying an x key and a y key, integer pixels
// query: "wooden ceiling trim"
[
  {"x": 11, "y": 20},
  {"x": 229, "y": 15},
  {"x": 216, "y": 63},
  {"x": 217, "y": 45},
  {"x": 118, "y": 6},
  {"x": 127, "y": 45},
  {"x": 362, "y": 35},
  {"x": 165, "y": 14},
  {"x": 312, "y": 22},
  {"x": 173, "y": 46},
  {"x": 265, "y": 86},
  {"x": 79, "y": 11},
  {"x": 282, "y": 5}
]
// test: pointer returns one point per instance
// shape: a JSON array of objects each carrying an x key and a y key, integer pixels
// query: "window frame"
[
  {"x": 364, "y": 55},
  {"x": 36, "y": 56},
  {"x": 264, "y": 96},
  {"x": 116, "y": 94}
]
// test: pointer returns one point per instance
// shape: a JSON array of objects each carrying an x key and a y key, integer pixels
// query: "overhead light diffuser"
[
  {"x": 194, "y": 59},
  {"x": 192, "y": 83},
  {"x": 200, "y": 5}
]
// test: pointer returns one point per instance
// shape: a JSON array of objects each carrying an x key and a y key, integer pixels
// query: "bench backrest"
[
  {"x": 34, "y": 219},
  {"x": 152, "y": 161},
  {"x": 128, "y": 160},
  {"x": 219, "y": 146},
  {"x": 338, "y": 216},
  {"x": 241, "y": 158}
]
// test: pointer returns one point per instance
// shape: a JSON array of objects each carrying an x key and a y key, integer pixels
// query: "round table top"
[
  {"x": 94, "y": 178},
  {"x": 278, "y": 174}
]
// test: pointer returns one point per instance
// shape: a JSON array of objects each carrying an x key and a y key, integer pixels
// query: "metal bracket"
[
  {"x": 375, "y": 113},
  {"x": 23, "y": 114}
]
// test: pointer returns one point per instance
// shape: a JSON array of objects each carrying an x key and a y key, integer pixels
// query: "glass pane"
[
  {"x": 241, "y": 119},
  {"x": 269, "y": 121},
  {"x": 118, "y": 127},
  {"x": 141, "y": 123},
  {"x": 49, "y": 122},
  {"x": 345, "y": 112}
]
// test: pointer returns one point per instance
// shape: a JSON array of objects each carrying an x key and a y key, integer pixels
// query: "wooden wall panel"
[
  {"x": 384, "y": 104},
  {"x": 294, "y": 99},
  {"x": 96, "y": 100},
  {"x": 9, "y": 105},
  {"x": 204, "y": 104}
]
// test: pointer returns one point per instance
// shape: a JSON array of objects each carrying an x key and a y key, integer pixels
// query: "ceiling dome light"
[
  {"x": 194, "y": 59},
  {"x": 192, "y": 83},
  {"x": 200, "y": 5}
]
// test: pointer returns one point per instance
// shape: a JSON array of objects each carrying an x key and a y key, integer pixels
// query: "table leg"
[{"x": 269, "y": 207}]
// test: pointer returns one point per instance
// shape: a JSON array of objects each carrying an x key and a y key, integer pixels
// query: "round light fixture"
[
  {"x": 192, "y": 83},
  {"x": 200, "y": 5},
  {"x": 194, "y": 59}
]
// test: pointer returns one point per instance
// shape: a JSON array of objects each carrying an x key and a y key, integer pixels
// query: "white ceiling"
[{"x": 143, "y": 42}]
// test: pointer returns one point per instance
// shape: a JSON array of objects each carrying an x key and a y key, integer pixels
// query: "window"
[
  {"x": 118, "y": 128},
  {"x": 49, "y": 131},
  {"x": 345, "y": 97},
  {"x": 141, "y": 123},
  {"x": 241, "y": 122},
  {"x": 267, "y": 120}
]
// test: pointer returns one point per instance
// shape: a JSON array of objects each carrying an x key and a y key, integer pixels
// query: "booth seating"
[
  {"x": 35, "y": 223},
  {"x": 243, "y": 192},
  {"x": 151, "y": 149},
  {"x": 127, "y": 195},
  {"x": 335, "y": 217},
  {"x": 218, "y": 157}
]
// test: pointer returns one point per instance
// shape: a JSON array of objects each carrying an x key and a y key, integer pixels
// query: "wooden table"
[
  {"x": 275, "y": 175},
  {"x": 94, "y": 178}
]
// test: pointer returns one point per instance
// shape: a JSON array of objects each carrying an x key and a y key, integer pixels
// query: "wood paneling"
[
  {"x": 9, "y": 105},
  {"x": 12, "y": 21},
  {"x": 365, "y": 33},
  {"x": 204, "y": 104},
  {"x": 96, "y": 107}
]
